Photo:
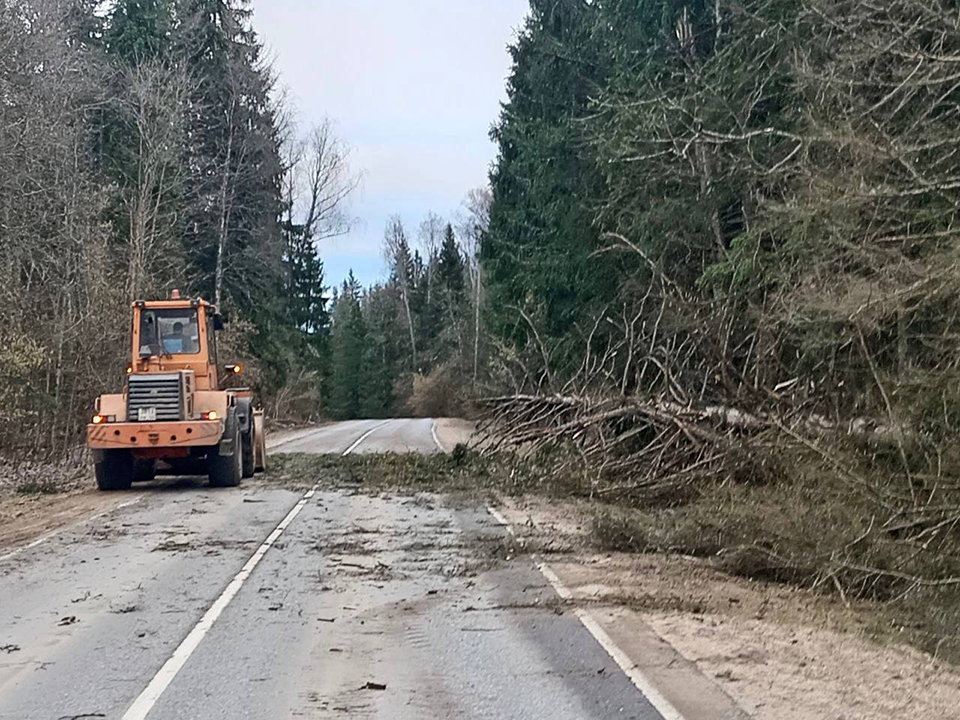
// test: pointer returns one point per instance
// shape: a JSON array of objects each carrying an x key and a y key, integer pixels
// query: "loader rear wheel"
[
  {"x": 114, "y": 470},
  {"x": 226, "y": 470}
]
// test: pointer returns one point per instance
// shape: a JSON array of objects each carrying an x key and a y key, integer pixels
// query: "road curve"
[
  {"x": 384, "y": 605},
  {"x": 378, "y": 436}
]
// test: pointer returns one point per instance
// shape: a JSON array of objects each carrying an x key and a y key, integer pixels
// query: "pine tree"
[
  {"x": 451, "y": 270},
  {"x": 348, "y": 341},
  {"x": 139, "y": 30},
  {"x": 305, "y": 291}
]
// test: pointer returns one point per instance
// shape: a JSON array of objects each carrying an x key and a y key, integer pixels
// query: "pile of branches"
[
  {"x": 630, "y": 446},
  {"x": 791, "y": 501}
]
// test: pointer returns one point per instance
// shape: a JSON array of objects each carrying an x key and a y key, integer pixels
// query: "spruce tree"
[
  {"x": 538, "y": 252},
  {"x": 139, "y": 30},
  {"x": 348, "y": 340},
  {"x": 451, "y": 270},
  {"x": 305, "y": 290},
  {"x": 231, "y": 227}
]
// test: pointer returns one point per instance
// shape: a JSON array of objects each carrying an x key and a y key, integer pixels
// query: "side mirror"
[
  {"x": 234, "y": 369},
  {"x": 218, "y": 322}
]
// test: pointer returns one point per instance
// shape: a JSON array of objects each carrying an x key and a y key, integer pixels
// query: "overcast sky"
[{"x": 413, "y": 86}]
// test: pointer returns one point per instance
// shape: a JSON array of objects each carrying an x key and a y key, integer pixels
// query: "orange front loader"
[{"x": 174, "y": 408}]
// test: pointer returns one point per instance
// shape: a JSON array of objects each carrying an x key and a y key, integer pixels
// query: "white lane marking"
[
  {"x": 74, "y": 526},
  {"x": 364, "y": 437},
  {"x": 433, "y": 431},
  {"x": 161, "y": 681},
  {"x": 501, "y": 519},
  {"x": 145, "y": 702},
  {"x": 629, "y": 668}
]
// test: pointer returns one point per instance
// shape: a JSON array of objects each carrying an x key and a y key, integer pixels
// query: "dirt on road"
[{"x": 32, "y": 511}]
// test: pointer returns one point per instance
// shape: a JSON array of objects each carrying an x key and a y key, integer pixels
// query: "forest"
[{"x": 714, "y": 277}]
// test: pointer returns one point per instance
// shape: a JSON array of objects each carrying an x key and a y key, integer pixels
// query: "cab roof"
[{"x": 183, "y": 304}]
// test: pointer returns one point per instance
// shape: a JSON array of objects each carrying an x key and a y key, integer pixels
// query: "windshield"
[{"x": 169, "y": 332}]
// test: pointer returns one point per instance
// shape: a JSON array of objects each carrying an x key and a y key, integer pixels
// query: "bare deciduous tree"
[
  {"x": 473, "y": 222},
  {"x": 396, "y": 250}
]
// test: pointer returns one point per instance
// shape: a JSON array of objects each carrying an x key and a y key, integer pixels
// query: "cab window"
[{"x": 169, "y": 332}]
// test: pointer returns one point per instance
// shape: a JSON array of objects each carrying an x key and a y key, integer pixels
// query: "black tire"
[
  {"x": 114, "y": 470},
  {"x": 144, "y": 470},
  {"x": 226, "y": 470},
  {"x": 248, "y": 464}
]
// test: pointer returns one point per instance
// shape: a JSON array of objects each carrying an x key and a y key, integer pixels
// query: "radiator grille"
[{"x": 154, "y": 391}]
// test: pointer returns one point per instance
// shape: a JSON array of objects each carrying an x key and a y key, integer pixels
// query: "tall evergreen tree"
[
  {"x": 348, "y": 342},
  {"x": 231, "y": 226},
  {"x": 139, "y": 30},
  {"x": 383, "y": 355},
  {"x": 451, "y": 270},
  {"x": 305, "y": 290},
  {"x": 538, "y": 249}
]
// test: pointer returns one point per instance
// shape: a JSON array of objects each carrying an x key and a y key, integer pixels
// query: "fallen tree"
[{"x": 793, "y": 499}]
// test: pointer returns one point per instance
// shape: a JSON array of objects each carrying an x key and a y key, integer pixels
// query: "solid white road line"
[
  {"x": 161, "y": 681},
  {"x": 433, "y": 431},
  {"x": 629, "y": 668},
  {"x": 74, "y": 526}
]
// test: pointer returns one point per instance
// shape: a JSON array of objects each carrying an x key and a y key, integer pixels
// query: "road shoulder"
[{"x": 774, "y": 652}]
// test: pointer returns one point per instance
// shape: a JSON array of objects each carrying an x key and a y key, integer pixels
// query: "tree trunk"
[{"x": 224, "y": 218}]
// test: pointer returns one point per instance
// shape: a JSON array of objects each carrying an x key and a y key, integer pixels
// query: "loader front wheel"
[
  {"x": 227, "y": 470},
  {"x": 114, "y": 470},
  {"x": 144, "y": 470}
]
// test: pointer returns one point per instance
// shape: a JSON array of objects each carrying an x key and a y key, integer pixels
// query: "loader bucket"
[{"x": 260, "y": 439}]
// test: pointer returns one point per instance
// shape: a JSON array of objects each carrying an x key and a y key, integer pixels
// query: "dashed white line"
[
  {"x": 145, "y": 702},
  {"x": 363, "y": 437},
  {"x": 623, "y": 661}
]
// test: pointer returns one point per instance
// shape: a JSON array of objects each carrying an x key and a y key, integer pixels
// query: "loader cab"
[{"x": 173, "y": 335}]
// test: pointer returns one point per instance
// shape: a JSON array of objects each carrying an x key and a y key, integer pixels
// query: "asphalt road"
[{"x": 265, "y": 603}]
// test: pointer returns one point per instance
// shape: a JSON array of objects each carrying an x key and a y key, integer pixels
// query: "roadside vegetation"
[
  {"x": 412, "y": 345},
  {"x": 721, "y": 276},
  {"x": 144, "y": 147}
]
